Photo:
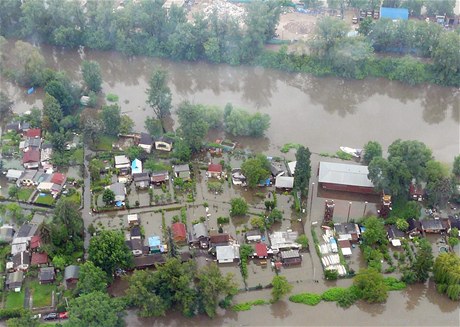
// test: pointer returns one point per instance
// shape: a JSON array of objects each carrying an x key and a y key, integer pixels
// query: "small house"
[
  {"x": 119, "y": 190},
  {"x": 160, "y": 177},
  {"x": 6, "y": 233},
  {"x": 253, "y": 236},
  {"x": 227, "y": 253},
  {"x": 345, "y": 246},
  {"x": 199, "y": 236},
  {"x": 133, "y": 220},
  {"x": 432, "y": 226},
  {"x": 154, "y": 244},
  {"x": 135, "y": 233},
  {"x": 219, "y": 239},
  {"x": 284, "y": 182},
  {"x": 14, "y": 281},
  {"x": 179, "y": 232},
  {"x": 45, "y": 155},
  {"x": 395, "y": 235},
  {"x": 146, "y": 142},
  {"x": 237, "y": 177},
  {"x": 261, "y": 250},
  {"x": 39, "y": 259},
  {"x": 164, "y": 143},
  {"x": 35, "y": 243},
  {"x": 71, "y": 274},
  {"x": 122, "y": 163},
  {"x": 31, "y": 159},
  {"x": 58, "y": 178},
  {"x": 141, "y": 180},
  {"x": 182, "y": 171},
  {"x": 136, "y": 166},
  {"x": 20, "y": 261},
  {"x": 215, "y": 170},
  {"x": 13, "y": 175},
  {"x": 30, "y": 143},
  {"x": 276, "y": 169},
  {"x": 19, "y": 244},
  {"x": 46, "y": 275},
  {"x": 284, "y": 240},
  {"x": 347, "y": 231},
  {"x": 291, "y": 258},
  {"x": 33, "y": 133}
]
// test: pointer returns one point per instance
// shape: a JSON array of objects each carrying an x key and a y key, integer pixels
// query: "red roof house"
[
  {"x": 58, "y": 178},
  {"x": 35, "y": 242},
  {"x": 261, "y": 250},
  {"x": 215, "y": 170},
  {"x": 39, "y": 259},
  {"x": 31, "y": 159},
  {"x": 179, "y": 232},
  {"x": 34, "y": 132}
]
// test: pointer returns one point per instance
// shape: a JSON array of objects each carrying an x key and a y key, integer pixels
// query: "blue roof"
[
  {"x": 154, "y": 241},
  {"x": 394, "y": 13},
  {"x": 136, "y": 166}
]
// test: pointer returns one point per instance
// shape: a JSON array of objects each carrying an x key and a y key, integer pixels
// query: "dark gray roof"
[
  {"x": 21, "y": 258},
  {"x": 27, "y": 230},
  {"x": 135, "y": 231},
  {"x": 199, "y": 230},
  {"x": 141, "y": 177},
  {"x": 118, "y": 188},
  {"x": 394, "y": 232},
  {"x": 46, "y": 273},
  {"x": 164, "y": 139},
  {"x": 145, "y": 139},
  {"x": 454, "y": 222},
  {"x": 14, "y": 279},
  {"x": 179, "y": 168},
  {"x": 345, "y": 228},
  {"x": 434, "y": 224},
  {"x": 290, "y": 254},
  {"x": 71, "y": 272}
]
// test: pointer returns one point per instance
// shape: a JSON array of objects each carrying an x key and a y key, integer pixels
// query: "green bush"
[
  {"x": 223, "y": 220},
  {"x": 306, "y": 298},
  {"x": 349, "y": 297},
  {"x": 245, "y": 306},
  {"x": 394, "y": 284},
  {"x": 112, "y": 97},
  {"x": 334, "y": 294},
  {"x": 11, "y": 313}
]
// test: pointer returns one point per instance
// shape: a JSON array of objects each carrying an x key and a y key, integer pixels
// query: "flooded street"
[{"x": 321, "y": 113}]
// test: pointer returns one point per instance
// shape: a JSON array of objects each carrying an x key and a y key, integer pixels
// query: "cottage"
[
  {"x": 135, "y": 233},
  {"x": 71, "y": 274},
  {"x": 13, "y": 175},
  {"x": 35, "y": 243},
  {"x": 31, "y": 159},
  {"x": 276, "y": 169},
  {"x": 133, "y": 219},
  {"x": 214, "y": 170},
  {"x": 19, "y": 244},
  {"x": 46, "y": 275},
  {"x": 20, "y": 261},
  {"x": 219, "y": 239},
  {"x": 39, "y": 259},
  {"x": 164, "y": 144},
  {"x": 122, "y": 162},
  {"x": 14, "y": 281},
  {"x": 253, "y": 236},
  {"x": 284, "y": 182},
  {"x": 33, "y": 133},
  {"x": 141, "y": 180},
  {"x": 261, "y": 251},
  {"x": 395, "y": 235},
  {"x": 136, "y": 166},
  {"x": 284, "y": 240},
  {"x": 345, "y": 246},
  {"x": 347, "y": 231},
  {"x": 119, "y": 190},
  {"x": 147, "y": 261},
  {"x": 237, "y": 177},
  {"x": 182, "y": 171},
  {"x": 345, "y": 177},
  {"x": 146, "y": 142},
  {"x": 155, "y": 244},
  {"x": 199, "y": 236},
  {"x": 432, "y": 226},
  {"x": 179, "y": 232},
  {"x": 227, "y": 253},
  {"x": 291, "y": 257},
  {"x": 159, "y": 177}
]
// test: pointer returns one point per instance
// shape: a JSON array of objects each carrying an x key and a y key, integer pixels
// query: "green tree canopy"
[
  {"x": 302, "y": 170},
  {"x": 256, "y": 170},
  {"x": 414, "y": 155},
  {"x": 108, "y": 251},
  {"x": 456, "y": 166},
  {"x": 111, "y": 116},
  {"x": 375, "y": 233},
  {"x": 371, "y": 286},
  {"x": 159, "y": 94},
  {"x": 446, "y": 272},
  {"x": 6, "y": 105},
  {"x": 281, "y": 288},
  {"x": 52, "y": 113},
  {"x": 96, "y": 309},
  {"x": 91, "y": 279},
  {"x": 371, "y": 150},
  {"x": 423, "y": 261},
  {"x": 193, "y": 125},
  {"x": 402, "y": 224},
  {"x": 108, "y": 196},
  {"x": 239, "y": 207},
  {"x": 92, "y": 76}
]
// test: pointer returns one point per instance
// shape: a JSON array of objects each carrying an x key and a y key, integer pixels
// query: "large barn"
[{"x": 344, "y": 177}]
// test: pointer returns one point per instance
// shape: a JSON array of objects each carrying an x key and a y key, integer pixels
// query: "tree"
[
  {"x": 440, "y": 7},
  {"x": 58, "y": 141},
  {"x": 26, "y": 319},
  {"x": 329, "y": 32},
  {"x": 96, "y": 309},
  {"x": 258, "y": 222},
  {"x": 91, "y": 72},
  {"x": 13, "y": 191},
  {"x": 108, "y": 251},
  {"x": 95, "y": 167},
  {"x": 159, "y": 94},
  {"x": 371, "y": 286},
  {"x": 258, "y": 124},
  {"x": 63, "y": 91},
  {"x": 453, "y": 237},
  {"x": 193, "y": 126},
  {"x": 281, "y": 287},
  {"x": 302, "y": 170},
  {"x": 27, "y": 64},
  {"x": 375, "y": 233},
  {"x": 275, "y": 216},
  {"x": 90, "y": 125},
  {"x": 423, "y": 261},
  {"x": 14, "y": 213},
  {"x": 182, "y": 151},
  {"x": 371, "y": 150},
  {"x": 303, "y": 240},
  {"x": 212, "y": 286},
  {"x": 445, "y": 58},
  {"x": 111, "y": 116},
  {"x": 446, "y": 271},
  {"x": 256, "y": 170},
  {"x": 126, "y": 125},
  {"x": 414, "y": 6},
  {"x": 153, "y": 126},
  {"x": 390, "y": 174},
  {"x": 440, "y": 191},
  {"x": 52, "y": 113},
  {"x": 413, "y": 154},
  {"x": 456, "y": 166},
  {"x": 6, "y": 105},
  {"x": 108, "y": 196},
  {"x": 91, "y": 279},
  {"x": 402, "y": 224},
  {"x": 239, "y": 207}
]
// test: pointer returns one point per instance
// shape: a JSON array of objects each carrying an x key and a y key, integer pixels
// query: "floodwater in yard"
[{"x": 322, "y": 113}]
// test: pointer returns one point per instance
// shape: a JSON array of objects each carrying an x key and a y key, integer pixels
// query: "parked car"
[
  {"x": 64, "y": 315},
  {"x": 51, "y": 316}
]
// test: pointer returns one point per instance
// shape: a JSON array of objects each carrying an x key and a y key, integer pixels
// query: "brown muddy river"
[{"x": 322, "y": 113}]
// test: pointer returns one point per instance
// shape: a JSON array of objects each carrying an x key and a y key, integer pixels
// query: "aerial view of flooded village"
[{"x": 229, "y": 163}]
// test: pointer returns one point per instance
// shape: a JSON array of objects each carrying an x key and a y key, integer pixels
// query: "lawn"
[
  {"x": 47, "y": 200},
  {"x": 75, "y": 197},
  {"x": 24, "y": 194},
  {"x": 105, "y": 143},
  {"x": 41, "y": 294},
  {"x": 14, "y": 300}
]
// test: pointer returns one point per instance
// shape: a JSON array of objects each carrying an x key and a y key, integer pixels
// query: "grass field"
[
  {"x": 41, "y": 293},
  {"x": 47, "y": 200},
  {"x": 14, "y": 300},
  {"x": 105, "y": 143},
  {"x": 24, "y": 194}
]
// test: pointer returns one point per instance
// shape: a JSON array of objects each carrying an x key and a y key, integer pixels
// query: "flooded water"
[{"x": 322, "y": 113}]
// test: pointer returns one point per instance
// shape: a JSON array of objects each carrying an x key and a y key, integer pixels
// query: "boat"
[{"x": 354, "y": 152}]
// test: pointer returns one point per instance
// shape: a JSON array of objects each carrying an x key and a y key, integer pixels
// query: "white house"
[
  {"x": 227, "y": 253},
  {"x": 146, "y": 142},
  {"x": 122, "y": 162}
]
